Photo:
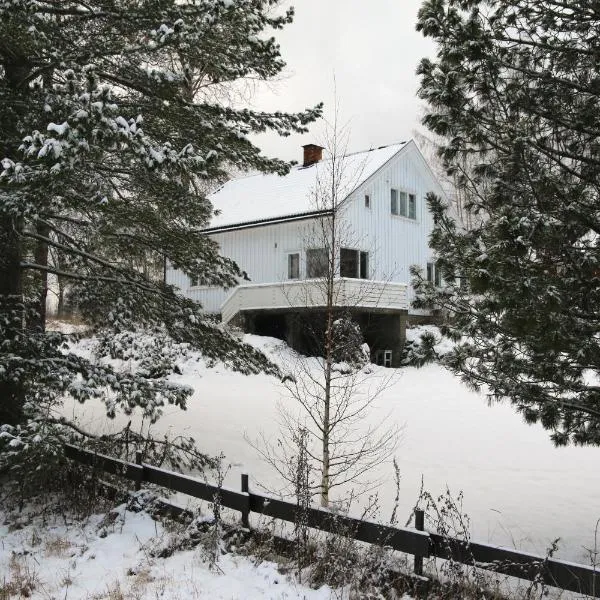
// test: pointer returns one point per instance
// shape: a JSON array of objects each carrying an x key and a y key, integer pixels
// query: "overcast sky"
[{"x": 373, "y": 50}]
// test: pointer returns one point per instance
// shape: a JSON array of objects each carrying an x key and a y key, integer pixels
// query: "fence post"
[
  {"x": 420, "y": 526},
  {"x": 138, "y": 461},
  {"x": 246, "y": 511}
]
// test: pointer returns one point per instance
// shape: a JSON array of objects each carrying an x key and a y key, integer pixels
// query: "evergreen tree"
[
  {"x": 514, "y": 90},
  {"x": 107, "y": 133}
]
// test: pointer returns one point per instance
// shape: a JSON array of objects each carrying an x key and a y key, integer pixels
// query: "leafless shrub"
[
  {"x": 303, "y": 497},
  {"x": 22, "y": 579},
  {"x": 57, "y": 546},
  {"x": 214, "y": 543}
]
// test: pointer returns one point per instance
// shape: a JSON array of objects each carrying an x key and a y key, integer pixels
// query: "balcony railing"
[{"x": 312, "y": 293}]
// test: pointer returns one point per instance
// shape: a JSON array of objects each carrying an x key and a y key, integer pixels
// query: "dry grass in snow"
[{"x": 111, "y": 557}]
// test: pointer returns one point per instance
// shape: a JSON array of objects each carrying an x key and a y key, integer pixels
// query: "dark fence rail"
[{"x": 561, "y": 574}]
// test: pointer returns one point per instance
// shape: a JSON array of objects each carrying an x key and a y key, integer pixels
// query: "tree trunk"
[
  {"x": 327, "y": 399},
  {"x": 60, "y": 306},
  {"x": 330, "y": 282},
  {"x": 41, "y": 278},
  {"x": 326, "y": 457},
  {"x": 12, "y": 315}
]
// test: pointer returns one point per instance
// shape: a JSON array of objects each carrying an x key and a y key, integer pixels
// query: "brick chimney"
[{"x": 312, "y": 154}]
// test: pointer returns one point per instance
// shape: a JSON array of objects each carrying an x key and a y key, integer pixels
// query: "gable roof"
[{"x": 264, "y": 198}]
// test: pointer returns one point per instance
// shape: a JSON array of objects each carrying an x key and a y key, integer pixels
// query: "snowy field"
[
  {"x": 519, "y": 491},
  {"x": 57, "y": 557}
]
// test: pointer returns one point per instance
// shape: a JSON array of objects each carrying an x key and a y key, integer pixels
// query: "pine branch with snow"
[{"x": 513, "y": 92}]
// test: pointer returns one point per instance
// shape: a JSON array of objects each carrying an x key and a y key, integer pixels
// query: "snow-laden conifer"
[
  {"x": 113, "y": 115},
  {"x": 514, "y": 93}
]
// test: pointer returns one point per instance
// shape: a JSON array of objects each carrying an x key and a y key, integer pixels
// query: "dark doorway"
[{"x": 272, "y": 325}]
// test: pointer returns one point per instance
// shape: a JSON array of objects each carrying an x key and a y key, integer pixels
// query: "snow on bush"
[{"x": 424, "y": 343}]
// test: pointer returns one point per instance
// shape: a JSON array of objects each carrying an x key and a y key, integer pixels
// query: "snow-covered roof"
[{"x": 261, "y": 197}]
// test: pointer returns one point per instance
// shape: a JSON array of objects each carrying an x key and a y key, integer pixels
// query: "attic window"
[
  {"x": 412, "y": 206},
  {"x": 367, "y": 201},
  {"x": 394, "y": 201},
  {"x": 403, "y": 204},
  {"x": 398, "y": 202}
]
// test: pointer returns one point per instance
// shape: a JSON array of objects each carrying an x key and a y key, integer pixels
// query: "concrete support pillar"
[
  {"x": 400, "y": 328},
  {"x": 291, "y": 331}
]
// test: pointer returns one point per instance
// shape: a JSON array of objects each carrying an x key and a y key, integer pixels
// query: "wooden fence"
[{"x": 417, "y": 542}]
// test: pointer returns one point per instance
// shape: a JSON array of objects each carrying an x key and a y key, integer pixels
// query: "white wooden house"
[{"x": 266, "y": 223}]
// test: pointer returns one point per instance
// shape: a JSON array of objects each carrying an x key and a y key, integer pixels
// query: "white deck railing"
[{"x": 311, "y": 293}]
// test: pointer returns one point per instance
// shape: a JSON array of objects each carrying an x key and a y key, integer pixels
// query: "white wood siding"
[
  {"x": 394, "y": 243},
  {"x": 260, "y": 251}
]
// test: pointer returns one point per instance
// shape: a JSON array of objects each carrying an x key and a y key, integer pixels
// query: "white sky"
[{"x": 372, "y": 48}]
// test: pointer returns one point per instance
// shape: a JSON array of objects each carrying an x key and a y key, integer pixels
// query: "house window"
[
  {"x": 403, "y": 204},
  {"x": 434, "y": 274},
  {"x": 437, "y": 280},
  {"x": 403, "y": 212},
  {"x": 316, "y": 262},
  {"x": 367, "y": 201},
  {"x": 195, "y": 281},
  {"x": 412, "y": 206},
  {"x": 354, "y": 263},
  {"x": 294, "y": 266},
  {"x": 364, "y": 265}
]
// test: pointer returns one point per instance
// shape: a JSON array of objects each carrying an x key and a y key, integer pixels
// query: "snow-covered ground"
[
  {"x": 519, "y": 490},
  {"x": 58, "y": 557}
]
